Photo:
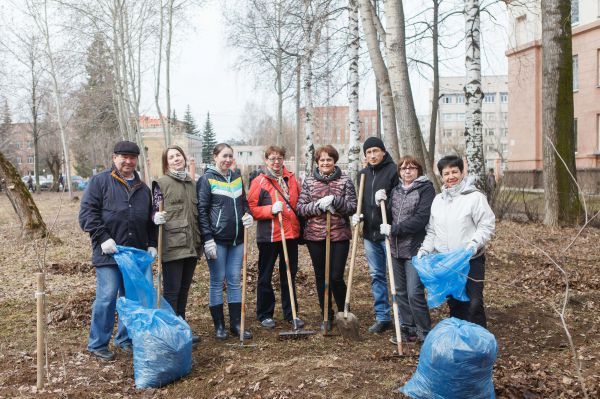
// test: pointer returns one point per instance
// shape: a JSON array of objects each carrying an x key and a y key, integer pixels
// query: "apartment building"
[
  {"x": 525, "y": 86},
  {"x": 451, "y": 119}
]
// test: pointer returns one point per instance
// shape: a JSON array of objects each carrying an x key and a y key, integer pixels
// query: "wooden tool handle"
[
  {"x": 244, "y": 271},
  {"x": 327, "y": 268},
  {"x": 287, "y": 262},
  {"x": 361, "y": 191},
  {"x": 159, "y": 252}
]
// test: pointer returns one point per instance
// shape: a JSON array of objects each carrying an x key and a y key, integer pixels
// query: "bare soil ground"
[{"x": 534, "y": 359}]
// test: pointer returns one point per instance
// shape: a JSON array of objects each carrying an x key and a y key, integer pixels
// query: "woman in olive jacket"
[{"x": 328, "y": 189}]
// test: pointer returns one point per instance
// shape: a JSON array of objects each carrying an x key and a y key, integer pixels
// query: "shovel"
[
  {"x": 388, "y": 251},
  {"x": 325, "y": 327},
  {"x": 346, "y": 321},
  {"x": 296, "y": 332}
]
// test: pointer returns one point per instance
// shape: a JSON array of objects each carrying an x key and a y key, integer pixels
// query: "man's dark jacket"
[
  {"x": 383, "y": 175},
  {"x": 110, "y": 208}
]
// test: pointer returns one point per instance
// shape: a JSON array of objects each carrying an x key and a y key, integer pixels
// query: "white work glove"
[
  {"x": 422, "y": 253},
  {"x": 160, "y": 218},
  {"x": 247, "y": 220},
  {"x": 325, "y": 202},
  {"x": 356, "y": 218},
  {"x": 109, "y": 247},
  {"x": 385, "y": 229},
  {"x": 471, "y": 246},
  {"x": 277, "y": 207},
  {"x": 380, "y": 195},
  {"x": 210, "y": 249},
  {"x": 152, "y": 251}
]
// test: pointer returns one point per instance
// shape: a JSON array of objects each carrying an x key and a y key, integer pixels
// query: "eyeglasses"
[
  {"x": 275, "y": 159},
  {"x": 407, "y": 168}
]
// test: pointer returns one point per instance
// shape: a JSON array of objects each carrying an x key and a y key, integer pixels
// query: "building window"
[
  {"x": 29, "y": 159},
  {"x": 489, "y": 98},
  {"x": 489, "y": 116},
  {"x": 30, "y": 144},
  {"x": 460, "y": 98},
  {"x": 504, "y": 98},
  {"x": 447, "y": 132},
  {"x": 460, "y": 117},
  {"x": 574, "y": 12},
  {"x": 447, "y": 99},
  {"x": 504, "y": 132},
  {"x": 18, "y": 144},
  {"x": 19, "y": 160},
  {"x": 504, "y": 116},
  {"x": 575, "y": 73},
  {"x": 489, "y": 147},
  {"x": 489, "y": 132},
  {"x": 448, "y": 117}
]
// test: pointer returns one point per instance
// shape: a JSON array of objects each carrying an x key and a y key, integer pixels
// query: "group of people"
[{"x": 209, "y": 216}]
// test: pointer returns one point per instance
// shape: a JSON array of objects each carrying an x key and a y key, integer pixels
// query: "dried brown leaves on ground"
[{"x": 534, "y": 359}]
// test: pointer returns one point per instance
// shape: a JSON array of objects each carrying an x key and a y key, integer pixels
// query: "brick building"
[
  {"x": 525, "y": 86},
  {"x": 19, "y": 149}
]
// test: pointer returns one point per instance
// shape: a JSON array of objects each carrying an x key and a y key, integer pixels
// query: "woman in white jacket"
[{"x": 461, "y": 218}]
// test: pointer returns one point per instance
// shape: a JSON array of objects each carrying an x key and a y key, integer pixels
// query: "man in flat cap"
[
  {"x": 115, "y": 210},
  {"x": 381, "y": 176}
]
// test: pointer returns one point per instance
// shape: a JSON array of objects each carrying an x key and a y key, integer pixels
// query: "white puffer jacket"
[{"x": 459, "y": 215}]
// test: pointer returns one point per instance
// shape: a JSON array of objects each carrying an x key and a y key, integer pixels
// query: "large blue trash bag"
[
  {"x": 162, "y": 341},
  {"x": 444, "y": 275},
  {"x": 456, "y": 362},
  {"x": 162, "y": 344}
]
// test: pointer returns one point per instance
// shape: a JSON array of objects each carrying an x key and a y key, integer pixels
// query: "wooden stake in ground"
[
  {"x": 40, "y": 297},
  {"x": 388, "y": 254}
]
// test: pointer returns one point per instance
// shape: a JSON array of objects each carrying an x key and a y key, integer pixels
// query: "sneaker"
[
  {"x": 268, "y": 323},
  {"x": 103, "y": 354},
  {"x": 195, "y": 339},
  {"x": 411, "y": 339},
  {"x": 298, "y": 323},
  {"x": 126, "y": 347},
  {"x": 380, "y": 326}
]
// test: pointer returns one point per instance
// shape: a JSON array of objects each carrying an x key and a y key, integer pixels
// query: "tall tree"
[
  {"x": 208, "y": 141},
  {"x": 353, "y": 85},
  {"x": 190, "y": 123},
  {"x": 560, "y": 189},
  {"x": 474, "y": 94}
]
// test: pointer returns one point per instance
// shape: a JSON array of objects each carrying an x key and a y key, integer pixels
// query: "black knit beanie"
[{"x": 373, "y": 142}]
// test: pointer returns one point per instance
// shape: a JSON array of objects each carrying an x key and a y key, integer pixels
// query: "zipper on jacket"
[
  {"x": 219, "y": 218},
  {"x": 235, "y": 211}
]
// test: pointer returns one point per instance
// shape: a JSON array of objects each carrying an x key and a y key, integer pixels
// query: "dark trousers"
[
  {"x": 268, "y": 252},
  {"x": 473, "y": 310},
  {"x": 177, "y": 278},
  {"x": 337, "y": 265}
]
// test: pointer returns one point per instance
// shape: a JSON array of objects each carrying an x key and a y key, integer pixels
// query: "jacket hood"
[
  {"x": 466, "y": 186},
  {"x": 337, "y": 172},
  {"x": 211, "y": 169}
]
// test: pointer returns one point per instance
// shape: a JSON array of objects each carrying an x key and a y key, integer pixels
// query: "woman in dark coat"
[{"x": 328, "y": 189}]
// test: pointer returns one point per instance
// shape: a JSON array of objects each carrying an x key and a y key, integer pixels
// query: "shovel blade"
[{"x": 348, "y": 327}]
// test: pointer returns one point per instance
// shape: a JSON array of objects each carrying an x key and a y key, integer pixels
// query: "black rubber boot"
[
  {"x": 219, "y": 320},
  {"x": 235, "y": 314}
]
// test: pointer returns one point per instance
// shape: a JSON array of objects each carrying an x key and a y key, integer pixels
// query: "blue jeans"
[
  {"x": 109, "y": 284},
  {"x": 375, "y": 253},
  {"x": 227, "y": 266}
]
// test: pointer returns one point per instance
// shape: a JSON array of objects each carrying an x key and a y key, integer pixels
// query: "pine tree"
[
  {"x": 5, "y": 125},
  {"x": 208, "y": 141},
  {"x": 190, "y": 123}
]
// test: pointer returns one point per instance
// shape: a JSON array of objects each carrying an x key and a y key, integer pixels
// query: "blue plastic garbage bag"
[
  {"x": 162, "y": 343},
  {"x": 136, "y": 267},
  {"x": 456, "y": 362},
  {"x": 444, "y": 275}
]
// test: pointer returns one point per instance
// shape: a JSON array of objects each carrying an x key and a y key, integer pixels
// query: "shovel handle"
[
  {"x": 159, "y": 251},
  {"x": 361, "y": 190},
  {"x": 244, "y": 271},
  {"x": 327, "y": 268},
  {"x": 286, "y": 258},
  {"x": 388, "y": 253}
]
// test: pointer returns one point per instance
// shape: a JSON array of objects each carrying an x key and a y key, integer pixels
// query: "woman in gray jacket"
[
  {"x": 410, "y": 205},
  {"x": 461, "y": 218}
]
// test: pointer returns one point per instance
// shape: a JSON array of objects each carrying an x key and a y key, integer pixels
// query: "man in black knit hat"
[{"x": 380, "y": 173}]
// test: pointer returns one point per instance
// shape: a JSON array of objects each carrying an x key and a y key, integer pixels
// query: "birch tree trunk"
[
  {"x": 560, "y": 190},
  {"x": 309, "y": 148},
  {"x": 473, "y": 95},
  {"x": 390, "y": 135},
  {"x": 353, "y": 85}
]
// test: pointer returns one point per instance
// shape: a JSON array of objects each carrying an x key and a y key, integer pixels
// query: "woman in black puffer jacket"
[{"x": 410, "y": 205}]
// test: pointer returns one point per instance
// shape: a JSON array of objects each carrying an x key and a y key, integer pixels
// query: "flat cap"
[{"x": 126, "y": 147}]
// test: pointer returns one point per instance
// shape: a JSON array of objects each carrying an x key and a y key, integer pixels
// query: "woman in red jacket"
[
  {"x": 328, "y": 189},
  {"x": 272, "y": 192}
]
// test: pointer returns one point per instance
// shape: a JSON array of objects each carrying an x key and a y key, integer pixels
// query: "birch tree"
[
  {"x": 562, "y": 203},
  {"x": 353, "y": 86},
  {"x": 473, "y": 94}
]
